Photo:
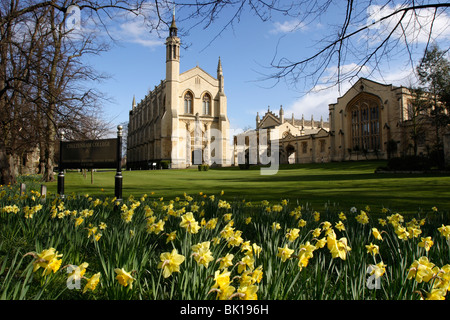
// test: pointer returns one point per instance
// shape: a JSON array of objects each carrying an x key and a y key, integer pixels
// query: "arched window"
[
  {"x": 365, "y": 123},
  {"x": 188, "y": 103},
  {"x": 207, "y": 104}
]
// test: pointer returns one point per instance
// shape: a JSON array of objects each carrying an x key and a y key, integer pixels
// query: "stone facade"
[
  {"x": 183, "y": 121},
  {"x": 370, "y": 121}
]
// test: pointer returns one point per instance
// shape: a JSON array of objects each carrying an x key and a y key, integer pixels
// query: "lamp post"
[
  {"x": 61, "y": 168},
  {"x": 118, "y": 177}
]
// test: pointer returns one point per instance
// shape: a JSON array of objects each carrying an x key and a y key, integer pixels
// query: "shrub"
[
  {"x": 244, "y": 166},
  {"x": 409, "y": 163},
  {"x": 203, "y": 167},
  {"x": 165, "y": 164}
]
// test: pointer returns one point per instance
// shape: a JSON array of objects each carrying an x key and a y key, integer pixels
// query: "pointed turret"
[
  {"x": 173, "y": 30},
  {"x": 281, "y": 114},
  {"x": 172, "y": 52},
  {"x": 219, "y": 68},
  {"x": 220, "y": 75}
]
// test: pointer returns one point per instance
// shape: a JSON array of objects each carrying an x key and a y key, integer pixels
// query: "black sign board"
[{"x": 89, "y": 154}]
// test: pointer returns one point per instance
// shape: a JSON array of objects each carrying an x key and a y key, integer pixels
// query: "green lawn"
[{"x": 343, "y": 184}]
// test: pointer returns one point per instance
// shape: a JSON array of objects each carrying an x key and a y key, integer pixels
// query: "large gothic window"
[
  {"x": 365, "y": 123},
  {"x": 188, "y": 103},
  {"x": 207, "y": 104}
]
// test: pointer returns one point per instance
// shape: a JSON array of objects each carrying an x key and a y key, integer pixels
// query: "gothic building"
[
  {"x": 370, "y": 121},
  {"x": 183, "y": 121}
]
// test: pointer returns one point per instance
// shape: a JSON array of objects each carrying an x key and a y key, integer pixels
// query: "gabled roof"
[
  {"x": 197, "y": 71},
  {"x": 269, "y": 120},
  {"x": 364, "y": 84}
]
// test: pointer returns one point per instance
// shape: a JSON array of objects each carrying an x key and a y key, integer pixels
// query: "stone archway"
[{"x": 290, "y": 154}]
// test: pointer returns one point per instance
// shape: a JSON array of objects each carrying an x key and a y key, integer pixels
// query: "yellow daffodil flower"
[
  {"x": 301, "y": 223},
  {"x": 223, "y": 285},
  {"x": 49, "y": 259},
  {"x": 422, "y": 270},
  {"x": 378, "y": 269},
  {"x": 211, "y": 224},
  {"x": 338, "y": 248},
  {"x": 316, "y": 216},
  {"x": 426, "y": 243},
  {"x": 246, "y": 262},
  {"x": 202, "y": 254},
  {"x": 316, "y": 232},
  {"x": 362, "y": 217},
  {"x": 248, "y": 292},
  {"x": 292, "y": 234},
  {"x": 436, "y": 294},
  {"x": 124, "y": 278},
  {"x": 340, "y": 226},
  {"x": 171, "y": 236},
  {"x": 342, "y": 216},
  {"x": 372, "y": 249},
  {"x": 188, "y": 222},
  {"x": 321, "y": 243},
  {"x": 401, "y": 232},
  {"x": 306, "y": 253},
  {"x": 414, "y": 232},
  {"x": 445, "y": 231},
  {"x": 222, "y": 279},
  {"x": 376, "y": 234},
  {"x": 284, "y": 253},
  {"x": 170, "y": 262},
  {"x": 78, "y": 271},
  {"x": 226, "y": 261},
  {"x": 92, "y": 282}
]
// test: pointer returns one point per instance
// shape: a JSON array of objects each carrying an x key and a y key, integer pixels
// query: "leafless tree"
[
  {"x": 42, "y": 73},
  {"x": 417, "y": 113},
  {"x": 41, "y": 69},
  {"x": 367, "y": 33}
]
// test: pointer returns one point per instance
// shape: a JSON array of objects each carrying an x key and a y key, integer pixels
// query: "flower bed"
[{"x": 202, "y": 247}]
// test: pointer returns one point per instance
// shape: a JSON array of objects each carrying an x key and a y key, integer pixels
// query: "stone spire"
[
  {"x": 220, "y": 75},
  {"x": 281, "y": 114},
  {"x": 173, "y": 53},
  {"x": 173, "y": 30}
]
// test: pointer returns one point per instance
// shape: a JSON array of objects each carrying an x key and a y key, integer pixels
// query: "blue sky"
[{"x": 137, "y": 64}]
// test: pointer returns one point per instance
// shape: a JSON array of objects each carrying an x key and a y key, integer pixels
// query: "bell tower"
[{"x": 173, "y": 53}]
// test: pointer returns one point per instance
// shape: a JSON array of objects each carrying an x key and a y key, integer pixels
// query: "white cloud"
[
  {"x": 315, "y": 103},
  {"x": 416, "y": 25},
  {"x": 287, "y": 26},
  {"x": 346, "y": 69},
  {"x": 136, "y": 31},
  {"x": 137, "y": 28}
]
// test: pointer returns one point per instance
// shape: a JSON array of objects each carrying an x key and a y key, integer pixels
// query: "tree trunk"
[
  {"x": 49, "y": 153},
  {"x": 9, "y": 168}
]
